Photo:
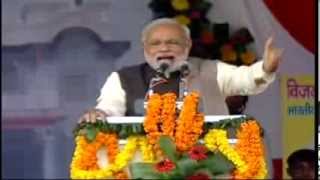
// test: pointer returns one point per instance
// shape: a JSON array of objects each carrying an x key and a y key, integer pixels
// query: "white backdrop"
[{"x": 124, "y": 20}]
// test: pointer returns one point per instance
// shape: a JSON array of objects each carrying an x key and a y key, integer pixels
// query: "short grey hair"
[{"x": 163, "y": 21}]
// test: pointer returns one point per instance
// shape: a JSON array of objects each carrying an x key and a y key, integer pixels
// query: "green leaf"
[
  {"x": 128, "y": 130},
  {"x": 143, "y": 171},
  {"x": 217, "y": 164},
  {"x": 141, "y": 129},
  {"x": 98, "y": 124},
  {"x": 134, "y": 128},
  {"x": 91, "y": 132},
  {"x": 114, "y": 128},
  {"x": 168, "y": 147},
  {"x": 123, "y": 132},
  {"x": 187, "y": 166}
]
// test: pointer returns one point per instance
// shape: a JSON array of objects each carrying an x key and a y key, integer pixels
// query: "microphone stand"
[
  {"x": 159, "y": 77},
  {"x": 183, "y": 86}
]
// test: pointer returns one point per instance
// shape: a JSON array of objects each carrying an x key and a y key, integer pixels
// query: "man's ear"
[{"x": 190, "y": 44}]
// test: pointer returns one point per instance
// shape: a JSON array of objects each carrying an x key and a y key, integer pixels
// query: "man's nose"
[{"x": 164, "y": 47}]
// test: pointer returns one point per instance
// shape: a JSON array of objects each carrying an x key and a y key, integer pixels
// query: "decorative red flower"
[
  {"x": 195, "y": 15},
  {"x": 228, "y": 46},
  {"x": 198, "y": 152},
  {"x": 207, "y": 37},
  {"x": 165, "y": 166},
  {"x": 198, "y": 176}
]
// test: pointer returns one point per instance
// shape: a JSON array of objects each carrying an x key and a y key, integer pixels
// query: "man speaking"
[{"x": 166, "y": 45}]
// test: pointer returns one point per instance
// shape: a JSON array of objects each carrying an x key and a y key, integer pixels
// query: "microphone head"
[
  {"x": 163, "y": 67},
  {"x": 185, "y": 69}
]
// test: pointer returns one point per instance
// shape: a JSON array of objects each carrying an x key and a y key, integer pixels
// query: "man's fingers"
[
  {"x": 279, "y": 52},
  {"x": 101, "y": 115},
  {"x": 269, "y": 43},
  {"x": 92, "y": 115},
  {"x": 87, "y": 117},
  {"x": 83, "y": 118},
  {"x": 276, "y": 55}
]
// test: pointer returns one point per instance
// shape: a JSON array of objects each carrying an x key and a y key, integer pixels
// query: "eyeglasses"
[{"x": 171, "y": 43}]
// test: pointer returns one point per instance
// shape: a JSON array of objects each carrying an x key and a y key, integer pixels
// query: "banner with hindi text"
[{"x": 298, "y": 111}]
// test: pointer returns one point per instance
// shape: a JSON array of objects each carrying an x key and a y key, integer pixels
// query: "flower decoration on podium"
[{"x": 170, "y": 143}]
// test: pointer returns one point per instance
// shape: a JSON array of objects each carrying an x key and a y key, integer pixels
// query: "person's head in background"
[
  {"x": 236, "y": 104},
  {"x": 166, "y": 40},
  {"x": 301, "y": 164}
]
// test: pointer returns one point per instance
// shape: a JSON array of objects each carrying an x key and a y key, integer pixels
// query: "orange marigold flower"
[
  {"x": 251, "y": 149},
  {"x": 161, "y": 120}
]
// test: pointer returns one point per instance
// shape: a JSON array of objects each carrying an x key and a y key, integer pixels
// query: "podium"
[
  {"x": 139, "y": 120},
  {"x": 134, "y": 156}
]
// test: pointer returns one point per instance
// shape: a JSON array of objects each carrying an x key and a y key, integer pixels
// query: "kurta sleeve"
[
  {"x": 112, "y": 96},
  {"x": 243, "y": 80}
]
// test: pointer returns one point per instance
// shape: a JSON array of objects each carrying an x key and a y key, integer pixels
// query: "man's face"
[
  {"x": 302, "y": 170},
  {"x": 166, "y": 42}
]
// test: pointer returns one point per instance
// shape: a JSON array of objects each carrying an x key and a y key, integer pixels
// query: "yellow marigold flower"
[
  {"x": 180, "y": 5},
  {"x": 147, "y": 152},
  {"x": 123, "y": 158},
  {"x": 217, "y": 138},
  {"x": 182, "y": 19}
]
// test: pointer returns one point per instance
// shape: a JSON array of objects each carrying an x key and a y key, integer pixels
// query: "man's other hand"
[
  {"x": 92, "y": 115},
  {"x": 272, "y": 56}
]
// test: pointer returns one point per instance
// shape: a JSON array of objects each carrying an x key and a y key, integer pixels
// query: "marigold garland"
[
  {"x": 217, "y": 139},
  {"x": 189, "y": 125},
  {"x": 121, "y": 175},
  {"x": 147, "y": 151},
  {"x": 123, "y": 158},
  {"x": 262, "y": 173},
  {"x": 168, "y": 114},
  {"x": 251, "y": 149},
  {"x": 152, "y": 118},
  {"x": 84, "y": 163}
]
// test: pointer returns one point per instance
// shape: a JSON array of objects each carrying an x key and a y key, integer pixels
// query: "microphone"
[
  {"x": 183, "y": 88},
  {"x": 163, "y": 66},
  {"x": 185, "y": 69}
]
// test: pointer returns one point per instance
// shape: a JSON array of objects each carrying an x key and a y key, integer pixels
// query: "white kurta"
[{"x": 214, "y": 80}]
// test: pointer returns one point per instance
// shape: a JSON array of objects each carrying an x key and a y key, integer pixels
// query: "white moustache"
[{"x": 159, "y": 58}]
